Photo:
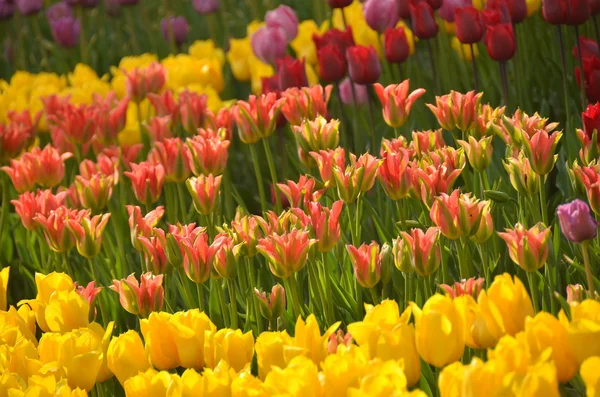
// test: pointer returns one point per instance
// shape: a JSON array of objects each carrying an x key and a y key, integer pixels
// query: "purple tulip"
[
  {"x": 66, "y": 31},
  {"x": 448, "y": 8},
  {"x": 576, "y": 222},
  {"x": 285, "y": 18},
  {"x": 176, "y": 28},
  {"x": 83, "y": 3},
  {"x": 29, "y": 7},
  {"x": 381, "y": 14},
  {"x": 206, "y": 6},
  {"x": 7, "y": 9},
  {"x": 59, "y": 10},
  {"x": 346, "y": 95},
  {"x": 269, "y": 44}
]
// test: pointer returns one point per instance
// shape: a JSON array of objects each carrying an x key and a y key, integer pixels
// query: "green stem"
[
  {"x": 222, "y": 302},
  {"x": 325, "y": 275},
  {"x": 294, "y": 295},
  {"x": 82, "y": 41},
  {"x": 200, "y": 297},
  {"x": 252, "y": 283},
  {"x": 542, "y": 192},
  {"x": 318, "y": 291},
  {"x": 5, "y": 199},
  {"x": 273, "y": 172},
  {"x": 259, "y": 178},
  {"x": 273, "y": 324},
  {"x": 97, "y": 280},
  {"x": 533, "y": 291},
  {"x": 374, "y": 296},
  {"x": 233, "y": 304},
  {"x": 588, "y": 270}
]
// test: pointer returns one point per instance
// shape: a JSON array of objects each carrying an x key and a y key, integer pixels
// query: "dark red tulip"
[
  {"x": 435, "y": 4},
  {"x": 591, "y": 120},
  {"x": 339, "y": 38},
  {"x": 554, "y": 11},
  {"x": 291, "y": 72},
  {"x": 270, "y": 84},
  {"x": 396, "y": 45},
  {"x": 517, "y": 10},
  {"x": 578, "y": 12},
  {"x": 403, "y": 7},
  {"x": 594, "y": 7},
  {"x": 500, "y": 41},
  {"x": 332, "y": 63},
  {"x": 339, "y": 3},
  {"x": 591, "y": 77},
  {"x": 491, "y": 16},
  {"x": 363, "y": 64},
  {"x": 423, "y": 21},
  {"x": 469, "y": 25},
  {"x": 589, "y": 48},
  {"x": 502, "y": 7}
]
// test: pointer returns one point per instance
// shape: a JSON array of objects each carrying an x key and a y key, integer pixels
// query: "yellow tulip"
[
  {"x": 502, "y": 309},
  {"x": 479, "y": 4},
  {"x": 188, "y": 329},
  {"x": 10, "y": 381},
  {"x": 451, "y": 380},
  {"x": 545, "y": 331},
  {"x": 364, "y": 35},
  {"x": 303, "y": 44},
  {"x": 101, "y": 341},
  {"x": 533, "y": 6},
  {"x": 246, "y": 385},
  {"x": 439, "y": 331},
  {"x": 269, "y": 351},
  {"x": 541, "y": 380},
  {"x": 126, "y": 356},
  {"x": 234, "y": 347},
  {"x": 217, "y": 382},
  {"x": 43, "y": 78},
  {"x": 131, "y": 134},
  {"x": 238, "y": 56},
  {"x": 63, "y": 390},
  {"x": 13, "y": 328},
  {"x": 300, "y": 378},
  {"x": 258, "y": 70},
  {"x": 66, "y": 311},
  {"x": 152, "y": 383},
  {"x": 584, "y": 329},
  {"x": 484, "y": 379},
  {"x": 449, "y": 27},
  {"x": 386, "y": 378},
  {"x": 253, "y": 26},
  {"x": 464, "y": 50},
  {"x": 4, "y": 273},
  {"x": 343, "y": 371},
  {"x": 191, "y": 383},
  {"x": 206, "y": 49},
  {"x": 467, "y": 307},
  {"x": 308, "y": 340},
  {"x": 591, "y": 376},
  {"x": 81, "y": 75},
  {"x": 160, "y": 341},
  {"x": 513, "y": 352},
  {"x": 22, "y": 359},
  {"x": 184, "y": 70},
  {"x": 353, "y": 13}
]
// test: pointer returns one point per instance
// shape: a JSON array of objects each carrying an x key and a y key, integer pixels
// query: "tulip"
[
  {"x": 286, "y": 253},
  {"x": 88, "y": 233},
  {"x": 18, "y": 134},
  {"x": 269, "y": 351},
  {"x": 545, "y": 331},
  {"x": 257, "y": 118},
  {"x": 95, "y": 192},
  {"x": 65, "y": 31},
  {"x": 291, "y": 73},
  {"x": 226, "y": 257},
  {"x": 396, "y": 46},
  {"x": 522, "y": 177},
  {"x": 66, "y": 311},
  {"x": 285, "y": 18},
  {"x": 140, "y": 298},
  {"x": 188, "y": 331},
  {"x": 340, "y": 39},
  {"x": 554, "y": 11},
  {"x": 232, "y": 346},
  {"x": 576, "y": 222},
  {"x": 358, "y": 177},
  {"x": 589, "y": 135},
  {"x": 479, "y": 152},
  {"x": 425, "y": 254},
  {"x": 435, "y": 180},
  {"x": 591, "y": 71},
  {"x": 89, "y": 292},
  {"x": 29, "y": 7},
  {"x": 500, "y": 41},
  {"x": 397, "y": 102},
  {"x": 31, "y": 204},
  {"x": 305, "y": 103},
  {"x": 394, "y": 174},
  {"x": 206, "y": 6},
  {"x": 271, "y": 306},
  {"x": 269, "y": 43},
  {"x": 575, "y": 293},
  {"x": 469, "y": 25},
  {"x": 590, "y": 375},
  {"x": 198, "y": 257},
  {"x": 159, "y": 340},
  {"x": 589, "y": 48},
  {"x": 174, "y": 157},
  {"x": 154, "y": 250},
  {"x": 175, "y": 29},
  {"x": 332, "y": 63},
  {"x": 204, "y": 191},
  {"x": 143, "y": 81},
  {"x": 318, "y": 134},
  {"x": 424, "y": 24},
  {"x": 578, "y": 12},
  {"x": 353, "y": 94},
  {"x": 439, "y": 321},
  {"x": 54, "y": 226},
  {"x": 583, "y": 329},
  {"x": 339, "y": 3},
  {"x": 147, "y": 181},
  {"x": 471, "y": 287},
  {"x": 363, "y": 64},
  {"x": 367, "y": 262},
  {"x": 7, "y": 9},
  {"x": 143, "y": 225},
  {"x": 325, "y": 224},
  {"x": 380, "y": 14},
  {"x": 126, "y": 356},
  {"x": 456, "y": 110},
  {"x": 527, "y": 248},
  {"x": 209, "y": 155}
]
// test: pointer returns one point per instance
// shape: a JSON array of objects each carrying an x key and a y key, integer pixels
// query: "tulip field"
[{"x": 299, "y": 198}]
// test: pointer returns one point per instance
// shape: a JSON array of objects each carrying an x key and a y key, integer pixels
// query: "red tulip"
[
  {"x": 517, "y": 10},
  {"x": 396, "y": 45},
  {"x": 339, "y": 3},
  {"x": 332, "y": 64},
  {"x": 381, "y": 14},
  {"x": 291, "y": 73},
  {"x": 591, "y": 120},
  {"x": 500, "y": 42},
  {"x": 578, "y": 12},
  {"x": 270, "y": 84},
  {"x": 363, "y": 64},
  {"x": 594, "y": 7},
  {"x": 491, "y": 16},
  {"x": 555, "y": 11},
  {"x": 435, "y": 4},
  {"x": 424, "y": 24},
  {"x": 469, "y": 25},
  {"x": 340, "y": 39},
  {"x": 403, "y": 7},
  {"x": 591, "y": 78},
  {"x": 589, "y": 48}
]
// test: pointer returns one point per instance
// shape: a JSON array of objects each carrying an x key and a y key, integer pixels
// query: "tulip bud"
[
  {"x": 140, "y": 299},
  {"x": 471, "y": 210},
  {"x": 285, "y": 18},
  {"x": 479, "y": 152},
  {"x": 204, "y": 191},
  {"x": 425, "y": 252},
  {"x": 155, "y": 257},
  {"x": 367, "y": 262},
  {"x": 353, "y": 94},
  {"x": 269, "y": 43},
  {"x": 271, "y": 306},
  {"x": 445, "y": 214},
  {"x": 576, "y": 222},
  {"x": 402, "y": 256},
  {"x": 396, "y": 46},
  {"x": 88, "y": 234},
  {"x": 286, "y": 253},
  {"x": 387, "y": 263},
  {"x": 175, "y": 29},
  {"x": 226, "y": 256},
  {"x": 575, "y": 293},
  {"x": 65, "y": 31},
  {"x": 363, "y": 64},
  {"x": 394, "y": 174},
  {"x": 147, "y": 181},
  {"x": 486, "y": 227},
  {"x": 380, "y": 14},
  {"x": 527, "y": 248},
  {"x": 500, "y": 41},
  {"x": 318, "y": 134},
  {"x": 332, "y": 63},
  {"x": 397, "y": 102},
  {"x": 471, "y": 287},
  {"x": 469, "y": 26},
  {"x": 424, "y": 24},
  {"x": 522, "y": 177}
]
